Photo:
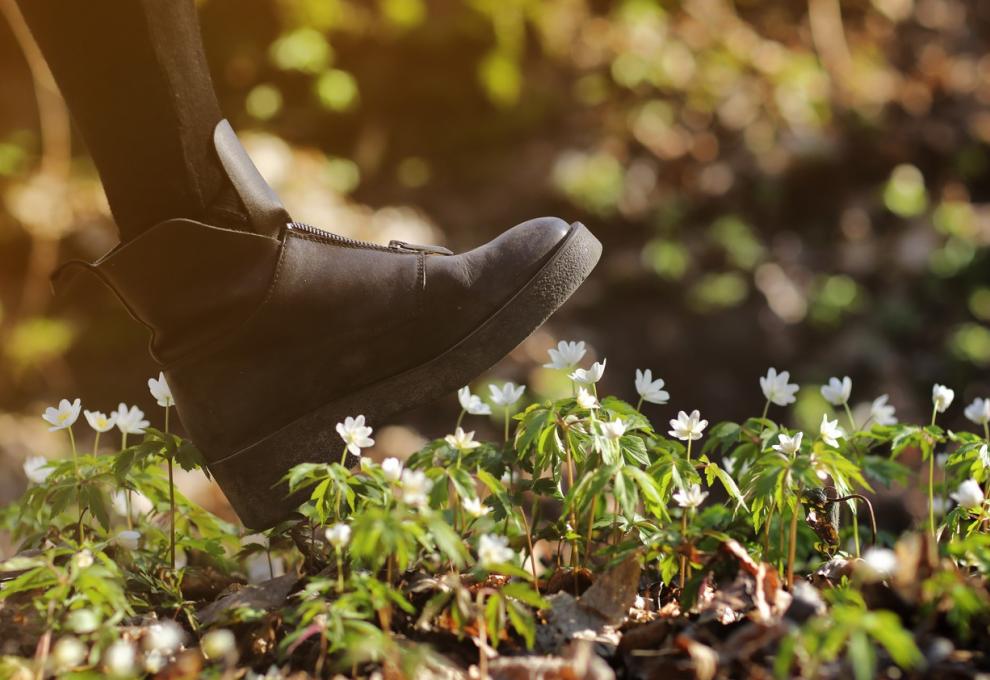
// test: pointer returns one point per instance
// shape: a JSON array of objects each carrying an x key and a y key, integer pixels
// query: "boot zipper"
[{"x": 393, "y": 246}]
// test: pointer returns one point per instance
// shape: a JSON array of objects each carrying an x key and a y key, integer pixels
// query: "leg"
[{"x": 136, "y": 80}]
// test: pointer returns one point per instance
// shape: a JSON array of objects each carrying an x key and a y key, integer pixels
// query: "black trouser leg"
[{"x": 136, "y": 80}]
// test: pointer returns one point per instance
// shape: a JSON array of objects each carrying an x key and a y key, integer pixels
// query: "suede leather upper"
[{"x": 234, "y": 313}]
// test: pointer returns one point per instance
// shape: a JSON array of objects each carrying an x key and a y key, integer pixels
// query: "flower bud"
[{"x": 219, "y": 644}]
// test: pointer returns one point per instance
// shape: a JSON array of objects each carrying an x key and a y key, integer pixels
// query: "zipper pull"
[{"x": 415, "y": 248}]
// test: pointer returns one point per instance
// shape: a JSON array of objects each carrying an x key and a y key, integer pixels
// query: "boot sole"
[{"x": 307, "y": 439}]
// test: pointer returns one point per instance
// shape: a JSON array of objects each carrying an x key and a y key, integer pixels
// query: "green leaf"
[
  {"x": 524, "y": 593},
  {"x": 727, "y": 482},
  {"x": 523, "y": 622}
]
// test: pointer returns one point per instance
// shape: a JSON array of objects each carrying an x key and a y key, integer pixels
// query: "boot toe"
[{"x": 528, "y": 243}]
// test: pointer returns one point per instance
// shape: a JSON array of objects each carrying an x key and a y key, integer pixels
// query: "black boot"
[{"x": 269, "y": 339}]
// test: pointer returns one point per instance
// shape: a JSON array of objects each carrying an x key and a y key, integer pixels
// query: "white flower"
[
  {"x": 687, "y": 427},
  {"x": 140, "y": 504},
  {"x": 218, "y": 644},
  {"x": 338, "y": 535},
  {"x": 649, "y": 389},
  {"x": 129, "y": 540},
  {"x": 415, "y": 487},
  {"x": 509, "y": 477},
  {"x": 586, "y": 399},
  {"x": 566, "y": 356},
  {"x": 589, "y": 376},
  {"x": 165, "y": 637},
  {"x": 507, "y": 395},
  {"x": 613, "y": 429},
  {"x": 969, "y": 495},
  {"x": 878, "y": 564},
  {"x": 776, "y": 388},
  {"x": 64, "y": 416},
  {"x": 837, "y": 392},
  {"x": 787, "y": 444},
  {"x": 941, "y": 459},
  {"x": 690, "y": 497},
  {"x": 83, "y": 559},
  {"x": 979, "y": 411},
  {"x": 984, "y": 456},
  {"x": 942, "y": 397},
  {"x": 474, "y": 507},
  {"x": 120, "y": 658},
  {"x": 36, "y": 469},
  {"x": 493, "y": 550},
  {"x": 68, "y": 653},
  {"x": 130, "y": 420},
  {"x": 392, "y": 469},
  {"x": 461, "y": 440},
  {"x": 356, "y": 434},
  {"x": 471, "y": 403},
  {"x": 160, "y": 390},
  {"x": 99, "y": 420},
  {"x": 882, "y": 412},
  {"x": 830, "y": 431}
]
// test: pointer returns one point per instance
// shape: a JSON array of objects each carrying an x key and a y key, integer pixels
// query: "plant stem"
[
  {"x": 72, "y": 443},
  {"x": 591, "y": 529},
  {"x": 684, "y": 527},
  {"x": 931, "y": 481},
  {"x": 855, "y": 523},
  {"x": 766, "y": 532},
  {"x": 96, "y": 443},
  {"x": 340, "y": 571},
  {"x": 171, "y": 514},
  {"x": 506, "y": 424},
  {"x": 459, "y": 419},
  {"x": 127, "y": 492},
  {"x": 529, "y": 544},
  {"x": 639, "y": 404},
  {"x": 931, "y": 492},
  {"x": 792, "y": 550},
  {"x": 575, "y": 555},
  {"x": 852, "y": 421},
  {"x": 171, "y": 502}
]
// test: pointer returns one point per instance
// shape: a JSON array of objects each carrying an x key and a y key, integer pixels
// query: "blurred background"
[{"x": 802, "y": 185}]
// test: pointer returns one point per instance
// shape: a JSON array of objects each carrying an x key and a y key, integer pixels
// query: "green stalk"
[
  {"x": 792, "y": 550},
  {"x": 684, "y": 528},
  {"x": 171, "y": 502},
  {"x": 96, "y": 443},
  {"x": 852, "y": 421},
  {"x": 639, "y": 404},
  {"x": 340, "y": 570},
  {"x": 855, "y": 523},
  {"x": 532, "y": 555},
  {"x": 460, "y": 418},
  {"x": 931, "y": 481},
  {"x": 75, "y": 455},
  {"x": 506, "y": 424}
]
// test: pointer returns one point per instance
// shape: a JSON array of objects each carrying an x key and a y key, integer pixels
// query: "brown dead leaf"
[{"x": 704, "y": 659}]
